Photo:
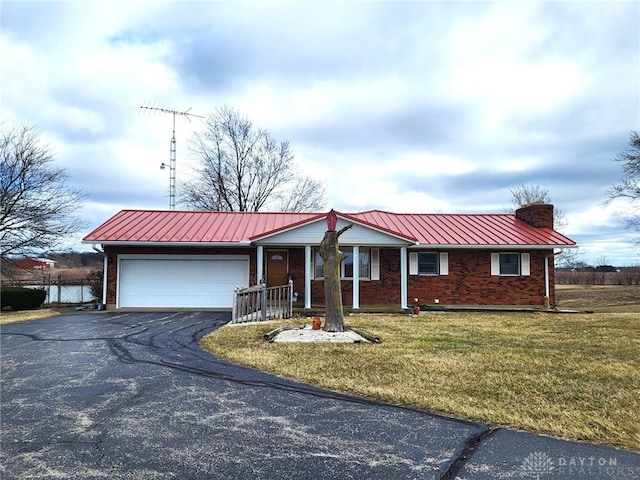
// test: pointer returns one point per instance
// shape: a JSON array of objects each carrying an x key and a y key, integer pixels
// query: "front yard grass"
[
  {"x": 569, "y": 375},
  {"x": 24, "y": 315}
]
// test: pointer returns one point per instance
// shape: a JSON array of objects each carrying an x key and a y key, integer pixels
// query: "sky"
[{"x": 420, "y": 107}]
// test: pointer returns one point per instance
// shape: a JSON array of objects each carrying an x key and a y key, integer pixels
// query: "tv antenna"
[{"x": 172, "y": 154}]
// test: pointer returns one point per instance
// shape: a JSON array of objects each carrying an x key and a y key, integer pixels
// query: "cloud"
[{"x": 410, "y": 106}]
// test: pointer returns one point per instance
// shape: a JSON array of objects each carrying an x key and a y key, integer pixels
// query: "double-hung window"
[
  {"x": 428, "y": 263},
  {"x": 510, "y": 264}
]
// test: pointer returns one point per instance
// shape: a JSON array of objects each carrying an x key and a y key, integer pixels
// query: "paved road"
[{"x": 132, "y": 396}]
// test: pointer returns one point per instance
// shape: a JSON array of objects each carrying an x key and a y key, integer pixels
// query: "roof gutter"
[
  {"x": 142, "y": 243},
  {"x": 248, "y": 243},
  {"x": 493, "y": 247}
]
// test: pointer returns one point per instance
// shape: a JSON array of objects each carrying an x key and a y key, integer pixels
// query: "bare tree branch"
[
  {"x": 242, "y": 168},
  {"x": 628, "y": 188},
  {"x": 37, "y": 207},
  {"x": 528, "y": 194}
]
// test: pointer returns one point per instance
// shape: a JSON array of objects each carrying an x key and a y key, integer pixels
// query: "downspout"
[
  {"x": 259, "y": 265},
  {"x": 403, "y": 278},
  {"x": 104, "y": 274},
  {"x": 547, "y": 286}
]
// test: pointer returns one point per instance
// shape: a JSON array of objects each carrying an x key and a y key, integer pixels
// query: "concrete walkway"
[{"x": 132, "y": 396}]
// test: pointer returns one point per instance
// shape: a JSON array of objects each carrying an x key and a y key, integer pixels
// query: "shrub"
[
  {"x": 17, "y": 298},
  {"x": 95, "y": 279}
]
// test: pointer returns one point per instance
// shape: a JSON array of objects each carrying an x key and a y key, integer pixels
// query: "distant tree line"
[
  {"x": 76, "y": 259},
  {"x": 600, "y": 275}
]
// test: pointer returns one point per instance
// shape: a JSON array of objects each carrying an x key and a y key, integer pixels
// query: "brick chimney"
[{"x": 538, "y": 214}]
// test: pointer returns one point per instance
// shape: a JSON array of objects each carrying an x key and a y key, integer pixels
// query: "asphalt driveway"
[{"x": 131, "y": 395}]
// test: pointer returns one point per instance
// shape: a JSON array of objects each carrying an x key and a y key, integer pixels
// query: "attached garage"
[{"x": 180, "y": 281}]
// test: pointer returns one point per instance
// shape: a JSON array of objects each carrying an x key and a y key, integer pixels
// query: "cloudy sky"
[{"x": 433, "y": 107}]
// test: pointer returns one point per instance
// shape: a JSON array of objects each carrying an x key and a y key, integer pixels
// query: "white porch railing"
[{"x": 260, "y": 303}]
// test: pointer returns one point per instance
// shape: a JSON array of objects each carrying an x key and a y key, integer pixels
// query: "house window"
[
  {"x": 318, "y": 265},
  {"x": 510, "y": 264},
  {"x": 346, "y": 266},
  {"x": 428, "y": 263}
]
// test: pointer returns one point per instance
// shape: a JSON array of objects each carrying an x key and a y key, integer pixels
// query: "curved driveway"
[{"x": 132, "y": 396}]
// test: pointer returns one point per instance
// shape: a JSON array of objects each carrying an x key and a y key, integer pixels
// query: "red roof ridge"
[
  {"x": 235, "y": 212},
  {"x": 383, "y": 228},
  {"x": 372, "y": 211},
  {"x": 442, "y": 214},
  {"x": 338, "y": 212},
  {"x": 312, "y": 218}
]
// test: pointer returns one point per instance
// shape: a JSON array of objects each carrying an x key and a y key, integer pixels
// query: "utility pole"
[{"x": 172, "y": 150}]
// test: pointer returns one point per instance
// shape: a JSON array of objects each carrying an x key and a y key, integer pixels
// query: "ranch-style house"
[{"x": 195, "y": 260}]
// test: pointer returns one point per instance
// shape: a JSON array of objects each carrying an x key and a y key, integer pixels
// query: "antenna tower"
[{"x": 172, "y": 154}]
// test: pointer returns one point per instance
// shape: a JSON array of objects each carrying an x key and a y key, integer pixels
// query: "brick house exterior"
[{"x": 456, "y": 260}]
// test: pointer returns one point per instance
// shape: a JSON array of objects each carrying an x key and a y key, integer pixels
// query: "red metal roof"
[
  {"x": 199, "y": 227},
  {"x": 234, "y": 227},
  {"x": 465, "y": 229}
]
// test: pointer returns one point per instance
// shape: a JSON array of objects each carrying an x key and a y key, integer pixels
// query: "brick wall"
[{"x": 469, "y": 281}]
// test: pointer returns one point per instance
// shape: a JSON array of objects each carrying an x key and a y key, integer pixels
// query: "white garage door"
[{"x": 180, "y": 281}]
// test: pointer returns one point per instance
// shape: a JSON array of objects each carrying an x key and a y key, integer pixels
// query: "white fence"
[{"x": 65, "y": 293}]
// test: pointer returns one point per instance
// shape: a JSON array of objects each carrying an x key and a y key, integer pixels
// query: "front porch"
[{"x": 374, "y": 279}]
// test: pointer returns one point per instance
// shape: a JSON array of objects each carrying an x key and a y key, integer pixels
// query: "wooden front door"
[{"x": 277, "y": 267}]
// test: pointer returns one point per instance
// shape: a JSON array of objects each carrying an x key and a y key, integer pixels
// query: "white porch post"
[
  {"x": 260, "y": 265},
  {"x": 403, "y": 278},
  {"x": 307, "y": 276},
  {"x": 356, "y": 277}
]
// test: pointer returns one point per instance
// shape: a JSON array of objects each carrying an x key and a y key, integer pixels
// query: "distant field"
[{"x": 599, "y": 298}]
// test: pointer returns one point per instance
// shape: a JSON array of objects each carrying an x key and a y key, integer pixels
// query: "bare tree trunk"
[{"x": 332, "y": 256}]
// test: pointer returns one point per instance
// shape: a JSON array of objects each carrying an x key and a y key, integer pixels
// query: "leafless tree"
[
  {"x": 242, "y": 168},
  {"x": 526, "y": 194},
  {"x": 331, "y": 258},
  {"x": 570, "y": 258},
  {"x": 37, "y": 207},
  {"x": 629, "y": 187}
]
